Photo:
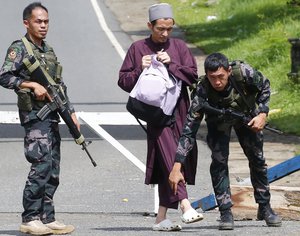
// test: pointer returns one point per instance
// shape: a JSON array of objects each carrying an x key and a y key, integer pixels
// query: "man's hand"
[
  {"x": 258, "y": 122},
  {"x": 75, "y": 120},
  {"x": 39, "y": 91},
  {"x": 163, "y": 57},
  {"x": 175, "y": 177},
  {"x": 146, "y": 61}
]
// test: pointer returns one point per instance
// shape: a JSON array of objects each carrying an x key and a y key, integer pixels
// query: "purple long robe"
[{"x": 162, "y": 142}]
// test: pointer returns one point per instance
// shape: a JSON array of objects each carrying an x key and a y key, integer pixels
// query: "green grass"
[{"x": 256, "y": 31}]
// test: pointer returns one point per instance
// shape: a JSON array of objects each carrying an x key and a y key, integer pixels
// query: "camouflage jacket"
[
  {"x": 257, "y": 92},
  {"x": 12, "y": 75}
]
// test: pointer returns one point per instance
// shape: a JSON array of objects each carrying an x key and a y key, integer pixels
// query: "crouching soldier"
[{"x": 247, "y": 91}]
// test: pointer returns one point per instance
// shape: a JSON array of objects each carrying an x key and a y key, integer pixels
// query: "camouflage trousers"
[
  {"x": 42, "y": 150},
  {"x": 252, "y": 145}
]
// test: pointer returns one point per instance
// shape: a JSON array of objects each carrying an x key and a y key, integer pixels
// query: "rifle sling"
[
  {"x": 34, "y": 66},
  {"x": 241, "y": 93}
]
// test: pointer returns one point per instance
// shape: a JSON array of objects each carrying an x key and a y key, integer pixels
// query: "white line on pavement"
[
  {"x": 107, "y": 31},
  {"x": 102, "y": 118},
  {"x": 89, "y": 120}
]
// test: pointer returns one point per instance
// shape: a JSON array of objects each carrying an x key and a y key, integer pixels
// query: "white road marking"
[
  {"x": 102, "y": 118},
  {"x": 89, "y": 119},
  {"x": 107, "y": 31}
]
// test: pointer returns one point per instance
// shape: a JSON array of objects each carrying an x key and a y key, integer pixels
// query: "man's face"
[
  {"x": 162, "y": 30},
  {"x": 37, "y": 25},
  {"x": 219, "y": 78}
]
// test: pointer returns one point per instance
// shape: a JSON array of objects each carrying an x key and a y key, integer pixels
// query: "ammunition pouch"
[
  {"x": 24, "y": 100},
  {"x": 58, "y": 73},
  {"x": 27, "y": 102},
  {"x": 37, "y": 105}
]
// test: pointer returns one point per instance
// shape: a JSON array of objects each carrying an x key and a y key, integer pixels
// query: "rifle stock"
[{"x": 59, "y": 102}]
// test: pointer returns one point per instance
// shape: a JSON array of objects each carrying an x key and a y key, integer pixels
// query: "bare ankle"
[
  {"x": 161, "y": 215},
  {"x": 159, "y": 219},
  {"x": 185, "y": 205}
]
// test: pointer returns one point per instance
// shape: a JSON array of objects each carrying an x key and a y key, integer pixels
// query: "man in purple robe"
[{"x": 162, "y": 141}]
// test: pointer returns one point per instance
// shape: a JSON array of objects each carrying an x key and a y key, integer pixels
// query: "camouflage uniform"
[
  {"x": 257, "y": 90},
  {"x": 42, "y": 139}
]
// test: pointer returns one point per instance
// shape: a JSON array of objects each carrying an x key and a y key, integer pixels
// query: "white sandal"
[
  {"x": 166, "y": 225},
  {"x": 191, "y": 216}
]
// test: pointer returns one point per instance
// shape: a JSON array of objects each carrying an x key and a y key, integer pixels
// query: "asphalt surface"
[{"x": 109, "y": 199}]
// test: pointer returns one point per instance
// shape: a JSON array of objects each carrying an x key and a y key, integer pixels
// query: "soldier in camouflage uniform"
[
  {"x": 42, "y": 138},
  {"x": 217, "y": 90}
]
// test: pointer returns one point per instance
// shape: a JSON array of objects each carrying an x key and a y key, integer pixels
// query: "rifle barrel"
[
  {"x": 84, "y": 147},
  {"x": 273, "y": 129}
]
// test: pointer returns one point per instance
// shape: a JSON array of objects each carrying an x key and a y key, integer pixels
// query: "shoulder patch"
[{"x": 12, "y": 54}]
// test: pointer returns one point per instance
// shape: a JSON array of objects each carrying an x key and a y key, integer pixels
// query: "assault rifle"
[
  {"x": 58, "y": 103},
  {"x": 236, "y": 115}
]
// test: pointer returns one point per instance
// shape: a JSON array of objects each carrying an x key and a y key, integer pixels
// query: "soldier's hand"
[
  {"x": 41, "y": 93},
  {"x": 146, "y": 61},
  {"x": 258, "y": 122},
  {"x": 175, "y": 177},
  {"x": 75, "y": 120}
]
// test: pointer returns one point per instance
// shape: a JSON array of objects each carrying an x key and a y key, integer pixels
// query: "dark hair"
[
  {"x": 28, "y": 10},
  {"x": 154, "y": 21},
  {"x": 214, "y": 61}
]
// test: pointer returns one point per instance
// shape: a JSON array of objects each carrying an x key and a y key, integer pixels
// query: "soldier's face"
[
  {"x": 37, "y": 25},
  {"x": 162, "y": 30},
  {"x": 219, "y": 78}
]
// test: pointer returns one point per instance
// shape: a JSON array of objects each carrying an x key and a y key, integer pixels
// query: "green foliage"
[
  {"x": 256, "y": 31},
  {"x": 294, "y": 2}
]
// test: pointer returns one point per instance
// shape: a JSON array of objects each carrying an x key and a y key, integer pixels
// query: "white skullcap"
[{"x": 160, "y": 11}]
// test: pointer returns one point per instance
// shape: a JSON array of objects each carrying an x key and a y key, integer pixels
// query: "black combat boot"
[
  {"x": 226, "y": 220},
  {"x": 266, "y": 213}
]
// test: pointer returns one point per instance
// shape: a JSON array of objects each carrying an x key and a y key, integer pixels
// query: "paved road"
[{"x": 110, "y": 199}]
